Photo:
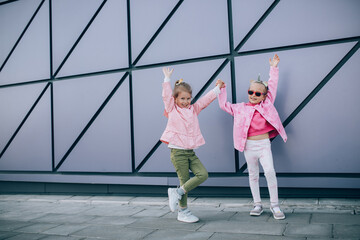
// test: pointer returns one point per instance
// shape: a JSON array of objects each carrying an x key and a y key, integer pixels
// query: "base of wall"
[{"x": 141, "y": 190}]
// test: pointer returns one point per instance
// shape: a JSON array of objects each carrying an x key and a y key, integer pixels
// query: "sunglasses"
[{"x": 258, "y": 94}]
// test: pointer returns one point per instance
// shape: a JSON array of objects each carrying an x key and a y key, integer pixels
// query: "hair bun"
[{"x": 179, "y": 81}]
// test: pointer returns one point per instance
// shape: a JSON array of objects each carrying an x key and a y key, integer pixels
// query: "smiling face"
[
  {"x": 257, "y": 87},
  {"x": 183, "y": 99}
]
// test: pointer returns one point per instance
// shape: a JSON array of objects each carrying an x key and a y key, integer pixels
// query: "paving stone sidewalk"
[{"x": 149, "y": 218}]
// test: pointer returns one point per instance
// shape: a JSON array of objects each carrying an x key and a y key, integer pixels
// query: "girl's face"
[
  {"x": 183, "y": 99},
  {"x": 257, "y": 87}
]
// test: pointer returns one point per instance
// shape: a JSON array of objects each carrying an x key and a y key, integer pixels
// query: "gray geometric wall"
[{"x": 80, "y": 87}]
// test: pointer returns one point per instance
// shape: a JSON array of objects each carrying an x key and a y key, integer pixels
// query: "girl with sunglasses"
[{"x": 255, "y": 123}]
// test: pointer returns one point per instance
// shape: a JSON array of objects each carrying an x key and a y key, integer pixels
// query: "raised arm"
[
  {"x": 204, "y": 101},
  {"x": 273, "y": 78},
  {"x": 168, "y": 99},
  {"x": 223, "y": 103}
]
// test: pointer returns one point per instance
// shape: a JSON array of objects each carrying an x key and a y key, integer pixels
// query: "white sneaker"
[
  {"x": 277, "y": 213},
  {"x": 173, "y": 198},
  {"x": 187, "y": 216},
  {"x": 256, "y": 211}
]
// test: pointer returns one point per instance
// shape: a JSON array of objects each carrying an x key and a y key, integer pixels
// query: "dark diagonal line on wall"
[
  {"x": 152, "y": 39},
  {"x": 22, "y": 35},
  {"x": 80, "y": 37},
  {"x": 321, "y": 84},
  {"x": 257, "y": 24},
  {"x": 24, "y": 120},
  {"x": 9, "y": 1},
  {"x": 91, "y": 120}
]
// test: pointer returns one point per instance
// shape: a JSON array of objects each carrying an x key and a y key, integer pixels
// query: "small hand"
[
  {"x": 220, "y": 83},
  {"x": 275, "y": 61},
  {"x": 167, "y": 71}
]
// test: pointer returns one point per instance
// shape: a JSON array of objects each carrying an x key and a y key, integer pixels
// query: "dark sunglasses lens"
[
  {"x": 257, "y": 94},
  {"x": 250, "y": 92}
]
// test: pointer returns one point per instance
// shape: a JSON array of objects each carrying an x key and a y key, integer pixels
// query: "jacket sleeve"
[
  {"x": 223, "y": 103},
  {"x": 273, "y": 83},
  {"x": 167, "y": 97},
  {"x": 204, "y": 101}
]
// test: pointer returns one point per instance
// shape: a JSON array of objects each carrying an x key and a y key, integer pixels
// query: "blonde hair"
[{"x": 181, "y": 86}]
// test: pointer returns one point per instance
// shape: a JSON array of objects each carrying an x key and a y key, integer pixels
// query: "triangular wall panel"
[
  {"x": 18, "y": 22},
  {"x": 75, "y": 102},
  {"x": 105, "y": 44},
  {"x": 15, "y": 103},
  {"x": 31, "y": 148},
  {"x": 204, "y": 32},
  {"x": 245, "y": 14},
  {"x": 69, "y": 20},
  {"x": 325, "y": 133},
  {"x": 142, "y": 29},
  {"x": 106, "y": 146},
  {"x": 30, "y": 60},
  {"x": 295, "y": 22}
]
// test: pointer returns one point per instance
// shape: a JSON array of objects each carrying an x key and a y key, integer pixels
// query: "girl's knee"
[
  {"x": 202, "y": 176},
  {"x": 270, "y": 173}
]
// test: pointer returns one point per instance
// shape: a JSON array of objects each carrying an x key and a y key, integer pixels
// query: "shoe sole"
[
  {"x": 256, "y": 214},
  {"x": 188, "y": 221}
]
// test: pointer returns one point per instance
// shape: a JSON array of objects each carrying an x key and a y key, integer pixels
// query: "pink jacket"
[
  {"x": 183, "y": 128},
  {"x": 243, "y": 112}
]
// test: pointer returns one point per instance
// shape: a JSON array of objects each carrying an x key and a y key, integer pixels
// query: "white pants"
[{"x": 255, "y": 151}]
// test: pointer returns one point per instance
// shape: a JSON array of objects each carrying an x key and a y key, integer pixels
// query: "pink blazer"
[
  {"x": 243, "y": 112},
  {"x": 183, "y": 128}
]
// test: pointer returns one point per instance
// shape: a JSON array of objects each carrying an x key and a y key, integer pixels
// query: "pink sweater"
[
  {"x": 243, "y": 113},
  {"x": 183, "y": 128}
]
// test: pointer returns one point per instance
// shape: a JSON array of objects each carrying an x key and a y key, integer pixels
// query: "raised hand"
[
  {"x": 220, "y": 83},
  {"x": 167, "y": 71},
  {"x": 275, "y": 61}
]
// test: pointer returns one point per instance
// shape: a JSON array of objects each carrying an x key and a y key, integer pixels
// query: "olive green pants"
[{"x": 184, "y": 160}]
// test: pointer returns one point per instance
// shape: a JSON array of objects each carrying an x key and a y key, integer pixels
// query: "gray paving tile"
[
  {"x": 178, "y": 235},
  {"x": 4, "y": 235},
  {"x": 300, "y": 201},
  {"x": 37, "y": 227},
  {"x": 244, "y": 227},
  {"x": 164, "y": 223},
  {"x": 294, "y": 218},
  {"x": 64, "y": 218},
  {"x": 65, "y": 229},
  {"x": 205, "y": 215},
  {"x": 151, "y": 213},
  {"x": 112, "y": 220},
  {"x": 113, "y": 232},
  {"x": 113, "y": 210},
  {"x": 298, "y": 229},
  {"x": 341, "y": 231},
  {"x": 56, "y": 237},
  {"x": 339, "y": 201},
  {"x": 124, "y": 199},
  {"x": 349, "y": 219},
  {"x": 27, "y": 236},
  {"x": 328, "y": 209},
  {"x": 326, "y": 238},
  {"x": 245, "y": 217},
  {"x": 12, "y": 225},
  {"x": 242, "y": 236},
  {"x": 20, "y": 216}
]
